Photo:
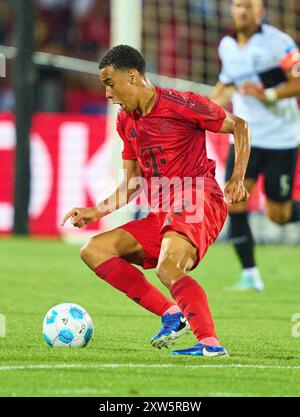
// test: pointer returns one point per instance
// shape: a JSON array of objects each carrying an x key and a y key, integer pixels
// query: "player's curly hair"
[{"x": 123, "y": 57}]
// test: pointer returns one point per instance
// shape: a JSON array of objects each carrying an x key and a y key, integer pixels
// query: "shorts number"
[
  {"x": 284, "y": 184},
  {"x": 296, "y": 327}
]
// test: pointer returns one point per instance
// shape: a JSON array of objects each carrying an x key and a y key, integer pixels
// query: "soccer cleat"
[
  {"x": 250, "y": 280},
  {"x": 173, "y": 326},
  {"x": 202, "y": 350}
]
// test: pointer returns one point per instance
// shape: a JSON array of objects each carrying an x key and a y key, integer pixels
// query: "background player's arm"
[
  {"x": 291, "y": 88},
  {"x": 222, "y": 94},
  {"x": 235, "y": 190},
  {"x": 289, "y": 63},
  {"x": 83, "y": 216}
]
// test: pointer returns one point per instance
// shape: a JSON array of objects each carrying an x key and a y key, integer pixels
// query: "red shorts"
[{"x": 150, "y": 230}]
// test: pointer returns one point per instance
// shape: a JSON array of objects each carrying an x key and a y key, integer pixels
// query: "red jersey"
[{"x": 170, "y": 141}]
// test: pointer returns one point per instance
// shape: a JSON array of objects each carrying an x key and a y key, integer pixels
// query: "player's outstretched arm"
[
  {"x": 235, "y": 190},
  {"x": 80, "y": 217}
]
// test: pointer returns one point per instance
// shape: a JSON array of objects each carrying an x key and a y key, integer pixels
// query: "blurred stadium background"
[{"x": 73, "y": 143}]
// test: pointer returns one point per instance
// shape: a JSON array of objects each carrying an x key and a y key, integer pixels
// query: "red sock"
[
  {"x": 192, "y": 301},
  {"x": 128, "y": 279}
]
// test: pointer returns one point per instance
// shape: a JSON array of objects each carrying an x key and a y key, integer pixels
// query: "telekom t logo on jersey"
[{"x": 153, "y": 157}]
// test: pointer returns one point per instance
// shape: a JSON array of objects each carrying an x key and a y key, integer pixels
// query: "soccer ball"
[{"x": 69, "y": 325}]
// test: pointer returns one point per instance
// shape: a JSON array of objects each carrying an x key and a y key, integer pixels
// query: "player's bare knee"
[
  {"x": 168, "y": 273},
  {"x": 279, "y": 218},
  {"x": 95, "y": 252},
  {"x": 84, "y": 253},
  {"x": 278, "y": 213},
  {"x": 87, "y": 252},
  {"x": 170, "y": 269}
]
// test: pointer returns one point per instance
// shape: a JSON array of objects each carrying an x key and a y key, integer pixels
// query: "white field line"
[{"x": 139, "y": 365}]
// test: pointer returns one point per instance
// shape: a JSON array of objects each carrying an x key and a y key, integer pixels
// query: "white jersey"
[{"x": 275, "y": 126}]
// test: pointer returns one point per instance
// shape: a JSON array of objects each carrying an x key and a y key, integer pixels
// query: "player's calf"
[
  {"x": 177, "y": 257},
  {"x": 110, "y": 254},
  {"x": 173, "y": 325}
]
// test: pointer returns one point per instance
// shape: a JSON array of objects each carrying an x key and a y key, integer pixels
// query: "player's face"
[
  {"x": 120, "y": 87},
  {"x": 247, "y": 13}
]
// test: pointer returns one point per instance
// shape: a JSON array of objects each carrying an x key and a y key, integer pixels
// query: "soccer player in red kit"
[{"x": 164, "y": 139}]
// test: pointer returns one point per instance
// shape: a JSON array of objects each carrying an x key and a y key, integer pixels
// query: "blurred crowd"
[
  {"x": 180, "y": 39},
  {"x": 77, "y": 28}
]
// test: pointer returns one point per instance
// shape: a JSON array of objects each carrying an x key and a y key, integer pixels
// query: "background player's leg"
[
  {"x": 283, "y": 213},
  {"x": 240, "y": 232},
  {"x": 239, "y": 228},
  {"x": 279, "y": 178},
  {"x": 177, "y": 257},
  {"x": 242, "y": 239},
  {"x": 109, "y": 254}
]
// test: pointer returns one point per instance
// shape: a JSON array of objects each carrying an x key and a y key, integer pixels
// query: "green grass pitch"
[{"x": 256, "y": 328}]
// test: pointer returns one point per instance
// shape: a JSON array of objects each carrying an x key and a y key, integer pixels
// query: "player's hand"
[
  {"x": 255, "y": 90},
  {"x": 235, "y": 191},
  {"x": 82, "y": 216}
]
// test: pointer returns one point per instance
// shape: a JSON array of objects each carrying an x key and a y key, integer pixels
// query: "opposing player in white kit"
[{"x": 261, "y": 74}]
